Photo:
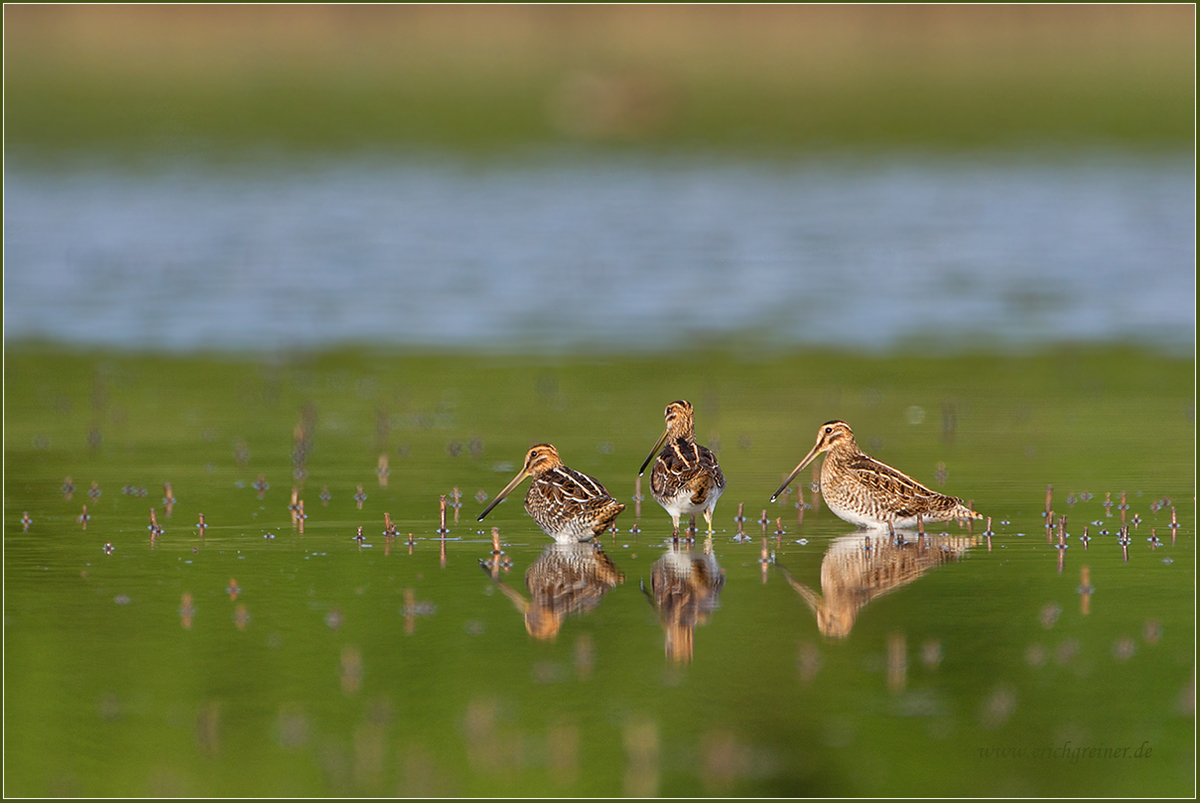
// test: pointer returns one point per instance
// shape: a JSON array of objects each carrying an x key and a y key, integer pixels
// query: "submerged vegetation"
[
  {"x": 347, "y": 661},
  {"x": 1019, "y": 415}
]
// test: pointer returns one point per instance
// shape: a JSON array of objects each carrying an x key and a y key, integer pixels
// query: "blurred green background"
[{"x": 215, "y": 79}]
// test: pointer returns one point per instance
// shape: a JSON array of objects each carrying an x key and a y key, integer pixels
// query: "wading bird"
[
  {"x": 870, "y": 494},
  {"x": 686, "y": 478},
  {"x": 569, "y": 505}
]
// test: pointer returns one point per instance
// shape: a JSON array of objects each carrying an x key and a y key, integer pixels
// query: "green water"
[{"x": 261, "y": 661}]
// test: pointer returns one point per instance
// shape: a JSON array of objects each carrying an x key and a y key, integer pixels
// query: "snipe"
[
  {"x": 686, "y": 478},
  {"x": 569, "y": 505},
  {"x": 865, "y": 492}
]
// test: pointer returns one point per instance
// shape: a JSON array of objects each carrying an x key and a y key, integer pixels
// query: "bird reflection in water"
[
  {"x": 565, "y": 579},
  {"x": 862, "y": 567},
  {"x": 684, "y": 587}
]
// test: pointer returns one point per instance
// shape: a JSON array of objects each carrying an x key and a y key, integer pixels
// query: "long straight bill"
[
  {"x": 808, "y": 459},
  {"x": 507, "y": 490},
  {"x": 653, "y": 452}
]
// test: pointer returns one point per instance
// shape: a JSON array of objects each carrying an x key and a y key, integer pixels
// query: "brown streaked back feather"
[
  {"x": 686, "y": 464},
  {"x": 561, "y": 494},
  {"x": 910, "y": 498},
  {"x": 880, "y": 476}
]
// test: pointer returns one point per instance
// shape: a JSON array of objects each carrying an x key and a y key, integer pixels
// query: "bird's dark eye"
[{"x": 828, "y": 430}]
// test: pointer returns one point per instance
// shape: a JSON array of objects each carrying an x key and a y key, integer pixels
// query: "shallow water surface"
[
  {"x": 602, "y": 254},
  {"x": 270, "y": 655}
]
